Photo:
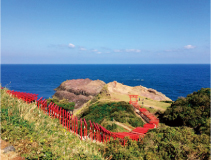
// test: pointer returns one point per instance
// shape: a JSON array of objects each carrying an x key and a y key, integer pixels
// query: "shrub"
[
  {"x": 192, "y": 111},
  {"x": 135, "y": 122},
  {"x": 111, "y": 127},
  {"x": 64, "y": 103},
  {"x": 166, "y": 143},
  {"x": 118, "y": 111}
]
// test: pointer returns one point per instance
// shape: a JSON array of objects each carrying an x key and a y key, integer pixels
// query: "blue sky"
[{"x": 105, "y": 31}]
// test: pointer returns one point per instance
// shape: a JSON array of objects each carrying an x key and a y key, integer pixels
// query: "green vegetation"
[
  {"x": 103, "y": 113},
  {"x": 64, "y": 103},
  {"x": 166, "y": 143},
  {"x": 37, "y": 136},
  {"x": 161, "y": 105},
  {"x": 192, "y": 111}
]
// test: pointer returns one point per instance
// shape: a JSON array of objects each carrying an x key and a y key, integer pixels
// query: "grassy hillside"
[
  {"x": 107, "y": 113},
  {"x": 35, "y": 135}
]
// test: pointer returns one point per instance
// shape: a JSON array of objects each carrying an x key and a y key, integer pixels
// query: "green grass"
[
  {"x": 156, "y": 104},
  {"x": 120, "y": 129},
  {"x": 35, "y": 135},
  {"x": 159, "y": 105}
]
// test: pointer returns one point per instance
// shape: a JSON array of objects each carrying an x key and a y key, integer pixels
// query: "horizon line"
[{"x": 104, "y": 64}]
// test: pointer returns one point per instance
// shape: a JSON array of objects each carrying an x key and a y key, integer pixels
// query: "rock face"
[
  {"x": 137, "y": 90},
  {"x": 79, "y": 91}
]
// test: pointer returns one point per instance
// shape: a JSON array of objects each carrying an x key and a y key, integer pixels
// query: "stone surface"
[
  {"x": 137, "y": 90},
  {"x": 79, "y": 90},
  {"x": 10, "y": 153},
  {"x": 9, "y": 149}
]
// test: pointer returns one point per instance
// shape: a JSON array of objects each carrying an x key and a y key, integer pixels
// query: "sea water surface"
[{"x": 172, "y": 80}]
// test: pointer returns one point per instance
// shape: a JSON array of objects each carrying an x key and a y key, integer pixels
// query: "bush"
[
  {"x": 118, "y": 111},
  {"x": 111, "y": 127},
  {"x": 135, "y": 122},
  {"x": 176, "y": 143},
  {"x": 167, "y": 143},
  {"x": 192, "y": 111},
  {"x": 64, "y": 103}
]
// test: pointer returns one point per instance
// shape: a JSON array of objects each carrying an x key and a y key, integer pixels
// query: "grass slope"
[{"x": 35, "y": 135}]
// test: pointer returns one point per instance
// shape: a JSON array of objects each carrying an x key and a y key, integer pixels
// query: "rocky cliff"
[
  {"x": 81, "y": 91},
  {"x": 115, "y": 87}
]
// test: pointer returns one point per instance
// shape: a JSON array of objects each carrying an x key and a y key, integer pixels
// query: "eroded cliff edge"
[{"x": 81, "y": 91}]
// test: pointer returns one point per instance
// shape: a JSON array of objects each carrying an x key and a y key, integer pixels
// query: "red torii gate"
[
  {"x": 133, "y": 96},
  {"x": 134, "y": 103}
]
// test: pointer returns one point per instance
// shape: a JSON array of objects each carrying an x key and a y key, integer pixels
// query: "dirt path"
[
  {"x": 123, "y": 126},
  {"x": 155, "y": 107}
]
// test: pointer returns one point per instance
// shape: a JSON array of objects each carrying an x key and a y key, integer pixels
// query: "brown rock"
[{"x": 79, "y": 91}]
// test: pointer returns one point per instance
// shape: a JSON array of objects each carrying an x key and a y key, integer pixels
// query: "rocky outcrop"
[
  {"x": 115, "y": 87},
  {"x": 7, "y": 151},
  {"x": 79, "y": 90}
]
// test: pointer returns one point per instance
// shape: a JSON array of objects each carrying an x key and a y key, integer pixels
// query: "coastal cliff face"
[
  {"x": 115, "y": 87},
  {"x": 81, "y": 91}
]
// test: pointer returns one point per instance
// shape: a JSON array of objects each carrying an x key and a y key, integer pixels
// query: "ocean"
[{"x": 173, "y": 80}]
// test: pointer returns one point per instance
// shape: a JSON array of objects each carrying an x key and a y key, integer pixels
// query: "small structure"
[
  {"x": 134, "y": 103},
  {"x": 133, "y": 96}
]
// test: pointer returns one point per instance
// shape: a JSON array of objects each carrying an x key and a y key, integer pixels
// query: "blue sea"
[{"x": 172, "y": 80}]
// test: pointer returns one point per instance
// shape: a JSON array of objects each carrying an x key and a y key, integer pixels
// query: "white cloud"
[
  {"x": 189, "y": 47},
  {"x": 94, "y": 50},
  {"x": 71, "y": 45},
  {"x": 128, "y": 50},
  {"x": 117, "y": 50},
  {"x": 133, "y": 50},
  {"x": 82, "y": 49}
]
